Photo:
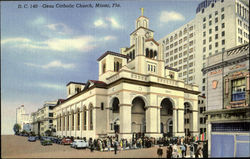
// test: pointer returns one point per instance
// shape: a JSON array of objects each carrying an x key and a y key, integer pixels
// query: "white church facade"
[{"x": 135, "y": 93}]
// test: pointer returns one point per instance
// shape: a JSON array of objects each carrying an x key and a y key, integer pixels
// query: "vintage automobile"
[
  {"x": 45, "y": 141},
  {"x": 66, "y": 141},
  {"x": 79, "y": 144},
  {"x": 32, "y": 138}
]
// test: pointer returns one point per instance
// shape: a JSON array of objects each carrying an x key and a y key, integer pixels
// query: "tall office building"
[{"x": 218, "y": 25}]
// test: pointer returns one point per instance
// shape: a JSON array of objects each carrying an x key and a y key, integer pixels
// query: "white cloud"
[
  {"x": 114, "y": 23},
  {"x": 39, "y": 21},
  {"x": 52, "y": 64},
  {"x": 59, "y": 28},
  {"x": 81, "y": 44},
  {"x": 107, "y": 38},
  {"x": 167, "y": 16},
  {"x": 107, "y": 22},
  {"x": 100, "y": 23},
  {"x": 15, "y": 40},
  {"x": 51, "y": 86}
]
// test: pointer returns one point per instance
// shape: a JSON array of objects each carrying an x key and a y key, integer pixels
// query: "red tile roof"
[{"x": 111, "y": 53}]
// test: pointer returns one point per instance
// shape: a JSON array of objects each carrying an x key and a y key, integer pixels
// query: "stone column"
[
  {"x": 209, "y": 130},
  {"x": 153, "y": 121},
  {"x": 125, "y": 121},
  {"x": 194, "y": 120},
  {"x": 175, "y": 121}
]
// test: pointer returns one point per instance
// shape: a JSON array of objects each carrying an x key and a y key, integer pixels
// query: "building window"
[
  {"x": 210, "y": 47},
  {"x": 204, "y": 34},
  {"x": 223, "y": 33},
  {"x": 204, "y": 80},
  {"x": 50, "y": 114},
  {"x": 50, "y": 121},
  {"x": 223, "y": 42},
  {"x": 210, "y": 22},
  {"x": 216, "y": 44},
  {"x": 216, "y": 28},
  {"x": 210, "y": 38},
  {"x": 91, "y": 118},
  {"x": 222, "y": 9},
  {"x": 102, "y": 106},
  {"x": 204, "y": 26},
  {"x": 204, "y": 19},
  {"x": 216, "y": 13},
  {"x": 203, "y": 88},
  {"x": 216, "y": 36},
  {"x": 223, "y": 25},
  {"x": 210, "y": 16},
  {"x": 204, "y": 41},
  {"x": 204, "y": 49},
  {"x": 222, "y": 16},
  {"x": 84, "y": 118},
  {"x": 210, "y": 31},
  {"x": 238, "y": 89},
  {"x": 216, "y": 20}
]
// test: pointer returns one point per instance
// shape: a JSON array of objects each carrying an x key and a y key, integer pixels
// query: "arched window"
[
  {"x": 78, "y": 119},
  {"x": 151, "y": 54},
  {"x": 84, "y": 118},
  {"x": 155, "y": 54},
  {"x": 145, "y": 24},
  {"x": 91, "y": 117},
  {"x": 130, "y": 55},
  {"x": 117, "y": 66},
  {"x": 115, "y": 105},
  {"x": 57, "y": 123},
  {"x": 72, "y": 120},
  {"x": 68, "y": 121},
  {"x": 133, "y": 54},
  {"x": 147, "y": 52},
  {"x": 104, "y": 68},
  {"x": 63, "y": 122}
]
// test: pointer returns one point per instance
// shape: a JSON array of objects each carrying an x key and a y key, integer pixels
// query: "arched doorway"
[
  {"x": 170, "y": 127},
  {"x": 138, "y": 117},
  {"x": 114, "y": 115},
  {"x": 166, "y": 113},
  {"x": 187, "y": 118}
]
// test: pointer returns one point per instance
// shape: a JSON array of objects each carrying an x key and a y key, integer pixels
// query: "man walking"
[{"x": 115, "y": 147}]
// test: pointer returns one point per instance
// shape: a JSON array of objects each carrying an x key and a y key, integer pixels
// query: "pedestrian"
[
  {"x": 159, "y": 152},
  {"x": 191, "y": 150},
  {"x": 115, "y": 147},
  {"x": 121, "y": 144},
  {"x": 170, "y": 151},
  {"x": 108, "y": 144},
  {"x": 92, "y": 147},
  {"x": 183, "y": 149},
  {"x": 185, "y": 152}
]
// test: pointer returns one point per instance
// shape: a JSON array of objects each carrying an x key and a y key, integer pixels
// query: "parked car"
[
  {"x": 66, "y": 141},
  {"x": 79, "y": 144},
  {"x": 45, "y": 141},
  {"x": 32, "y": 138}
]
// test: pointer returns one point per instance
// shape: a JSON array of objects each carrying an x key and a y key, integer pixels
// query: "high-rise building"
[
  {"x": 23, "y": 118},
  {"x": 218, "y": 25}
]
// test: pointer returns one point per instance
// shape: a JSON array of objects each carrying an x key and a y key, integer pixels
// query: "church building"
[{"x": 135, "y": 94}]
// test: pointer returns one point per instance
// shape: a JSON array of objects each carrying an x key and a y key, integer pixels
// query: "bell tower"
[{"x": 142, "y": 21}]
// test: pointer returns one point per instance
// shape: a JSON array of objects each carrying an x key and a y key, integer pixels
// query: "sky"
[{"x": 42, "y": 49}]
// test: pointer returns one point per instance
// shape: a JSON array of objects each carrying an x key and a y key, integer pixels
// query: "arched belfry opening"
[
  {"x": 138, "y": 116},
  {"x": 166, "y": 112}
]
